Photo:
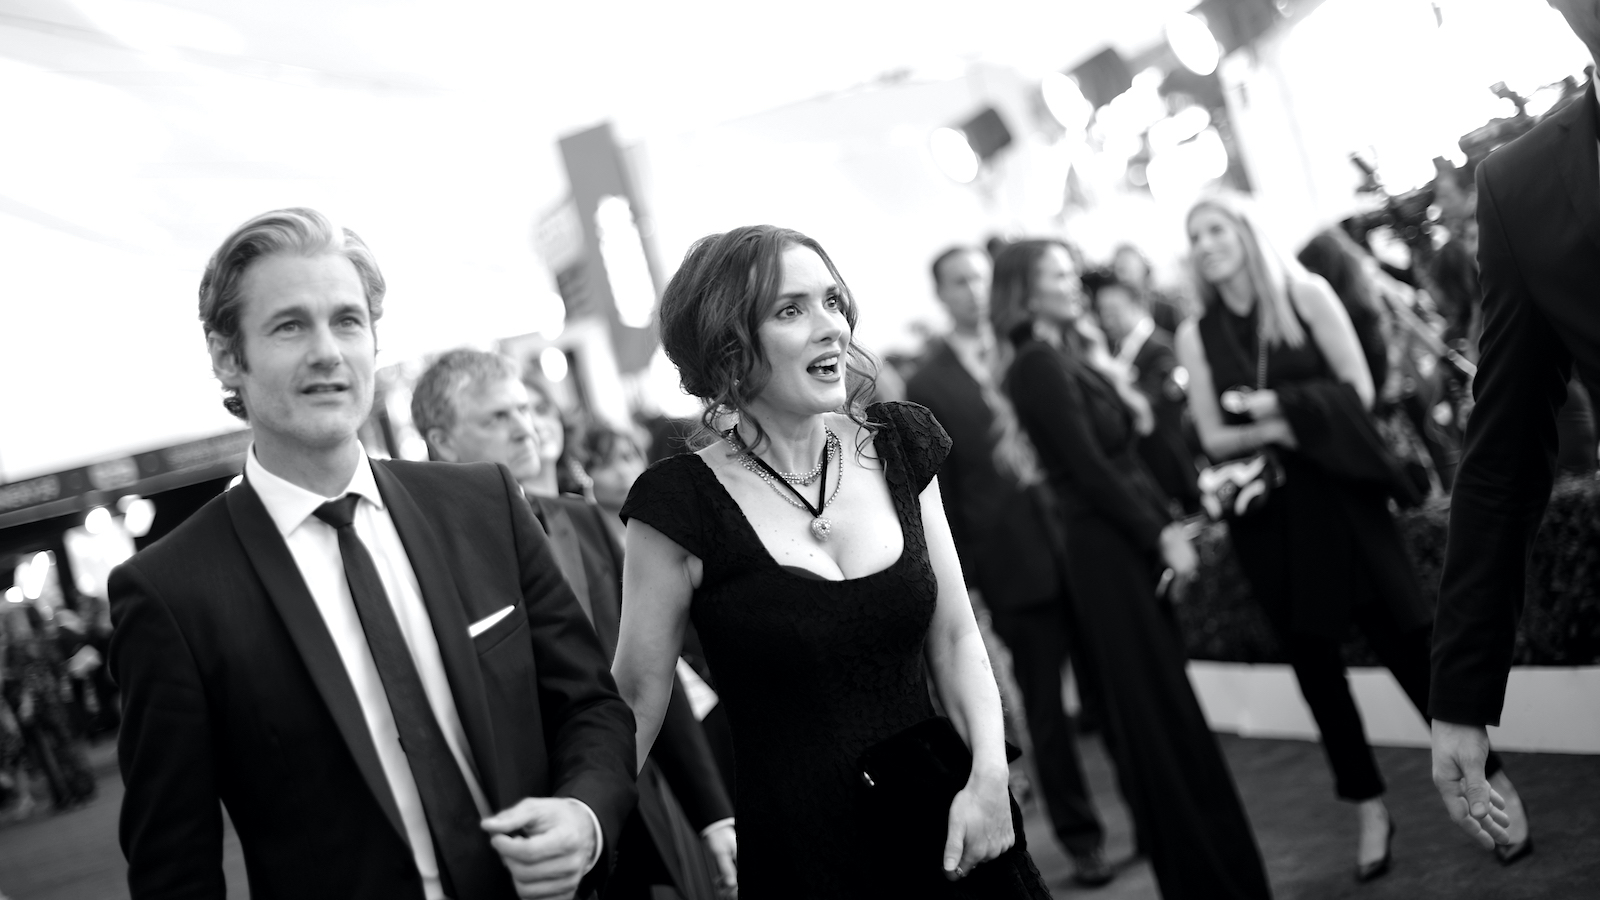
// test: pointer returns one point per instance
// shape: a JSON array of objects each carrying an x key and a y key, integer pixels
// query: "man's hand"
[
  {"x": 723, "y": 843},
  {"x": 546, "y": 843},
  {"x": 1459, "y": 752}
]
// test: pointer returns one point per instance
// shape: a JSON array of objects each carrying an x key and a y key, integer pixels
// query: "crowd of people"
[
  {"x": 567, "y": 659},
  {"x": 55, "y": 697}
]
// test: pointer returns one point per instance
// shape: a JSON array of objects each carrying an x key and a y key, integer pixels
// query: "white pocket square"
[{"x": 487, "y": 622}]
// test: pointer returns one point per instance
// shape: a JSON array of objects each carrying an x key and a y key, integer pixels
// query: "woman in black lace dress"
[
  {"x": 1081, "y": 419},
  {"x": 821, "y": 625}
]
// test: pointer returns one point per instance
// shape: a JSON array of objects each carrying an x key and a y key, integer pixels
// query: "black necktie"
[{"x": 467, "y": 862}]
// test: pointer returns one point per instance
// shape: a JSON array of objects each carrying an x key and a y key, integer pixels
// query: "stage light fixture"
[
  {"x": 98, "y": 521},
  {"x": 1065, "y": 101},
  {"x": 1193, "y": 43},
  {"x": 960, "y": 152}
]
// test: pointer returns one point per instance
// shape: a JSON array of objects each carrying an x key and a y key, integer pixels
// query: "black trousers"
[
  {"x": 1039, "y": 641},
  {"x": 1320, "y": 670}
]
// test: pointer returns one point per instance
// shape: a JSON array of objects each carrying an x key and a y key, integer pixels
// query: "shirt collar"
[{"x": 290, "y": 505}]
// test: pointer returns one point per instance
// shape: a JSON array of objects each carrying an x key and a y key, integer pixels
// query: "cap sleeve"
[
  {"x": 667, "y": 499},
  {"x": 923, "y": 441}
]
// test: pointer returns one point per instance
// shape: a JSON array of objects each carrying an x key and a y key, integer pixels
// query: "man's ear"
[
  {"x": 225, "y": 361},
  {"x": 439, "y": 440}
]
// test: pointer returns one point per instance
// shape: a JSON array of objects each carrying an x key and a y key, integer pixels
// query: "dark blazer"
[
  {"x": 233, "y": 691},
  {"x": 681, "y": 748},
  {"x": 1086, "y": 440},
  {"x": 1539, "y": 263},
  {"x": 1002, "y": 532}
]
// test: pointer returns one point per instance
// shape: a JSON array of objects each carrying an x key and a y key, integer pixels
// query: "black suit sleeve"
[
  {"x": 171, "y": 826},
  {"x": 588, "y": 726},
  {"x": 1502, "y": 486},
  {"x": 1051, "y": 405}
]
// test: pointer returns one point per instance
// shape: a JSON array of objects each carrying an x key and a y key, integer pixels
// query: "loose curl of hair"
[
  {"x": 298, "y": 231},
  {"x": 711, "y": 315},
  {"x": 1269, "y": 270}
]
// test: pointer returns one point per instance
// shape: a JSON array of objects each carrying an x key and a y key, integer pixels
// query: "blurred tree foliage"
[{"x": 1560, "y": 621}]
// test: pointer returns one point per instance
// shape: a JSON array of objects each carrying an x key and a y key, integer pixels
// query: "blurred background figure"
[
  {"x": 613, "y": 460},
  {"x": 1131, "y": 267},
  {"x": 1119, "y": 535},
  {"x": 33, "y": 683},
  {"x": 1277, "y": 366},
  {"x": 1010, "y": 547},
  {"x": 473, "y": 406},
  {"x": 1144, "y": 350}
]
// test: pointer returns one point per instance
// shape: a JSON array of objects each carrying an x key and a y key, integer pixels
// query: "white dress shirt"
[{"x": 314, "y": 545}]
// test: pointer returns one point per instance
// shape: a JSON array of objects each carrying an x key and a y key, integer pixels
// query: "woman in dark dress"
[
  {"x": 1119, "y": 538},
  {"x": 821, "y": 626},
  {"x": 1323, "y": 551}
]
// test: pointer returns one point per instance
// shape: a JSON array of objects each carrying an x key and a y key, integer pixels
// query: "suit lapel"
[
  {"x": 449, "y": 618},
  {"x": 568, "y": 550},
  {"x": 1580, "y": 162},
  {"x": 279, "y": 574}
]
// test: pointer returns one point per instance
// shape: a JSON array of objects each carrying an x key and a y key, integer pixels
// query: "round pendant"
[{"x": 821, "y": 527}]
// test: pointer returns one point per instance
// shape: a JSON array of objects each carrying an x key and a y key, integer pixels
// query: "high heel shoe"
[{"x": 1379, "y": 867}]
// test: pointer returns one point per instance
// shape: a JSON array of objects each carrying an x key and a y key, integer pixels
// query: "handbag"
[
  {"x": 910, "y": 780},
  {"x": 1239, "y": 487}
]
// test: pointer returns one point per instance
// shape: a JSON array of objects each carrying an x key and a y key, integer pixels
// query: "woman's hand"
[
  {"x": 980, "y": 823},
  {"x": 1179, "y": 555},
  {"x": 1276, "y": 431},
  {"x": 1259, "y": 405}
]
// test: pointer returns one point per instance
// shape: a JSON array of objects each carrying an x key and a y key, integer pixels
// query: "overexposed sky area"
[{"x": 138, "y": 133}]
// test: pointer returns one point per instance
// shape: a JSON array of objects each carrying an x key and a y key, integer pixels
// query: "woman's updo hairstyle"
[{"x": 713, "y": 308}]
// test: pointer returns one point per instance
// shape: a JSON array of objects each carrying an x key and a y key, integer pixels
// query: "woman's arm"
[
  {"x": 658, "y": 579},
  {"x": 980, "y": 817},
  {"x": 1221, "y": 441},
  {"x": 1335, "y": 336}
]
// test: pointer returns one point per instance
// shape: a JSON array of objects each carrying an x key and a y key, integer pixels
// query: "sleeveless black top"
[
  {"x": 1321, "y": 544},
  {"x": 812, "y": 672}
]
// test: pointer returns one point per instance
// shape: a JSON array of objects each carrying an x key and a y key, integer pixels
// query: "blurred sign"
[
  {"x": 60, "y": 493},
  {"x": 558, "y": 239},
  {"x": 615, "y": 259}
]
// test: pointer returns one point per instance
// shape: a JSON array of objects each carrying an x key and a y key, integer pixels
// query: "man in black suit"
[
  {"x": 1007, "y": 542},
  {"x": 376, "y": 666},
  {"x": 1146, "y": 350},
  {"x": 1539, "y": 265},
  {"x": 472, "y": 406}
]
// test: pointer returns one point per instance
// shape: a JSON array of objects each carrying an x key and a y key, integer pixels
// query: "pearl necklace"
[{"x": 821, "y": 526}]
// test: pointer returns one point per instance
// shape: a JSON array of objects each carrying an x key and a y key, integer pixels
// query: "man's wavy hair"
[
  {"x": 297, "y": 231},
  {"x": 711, "y": 314}
]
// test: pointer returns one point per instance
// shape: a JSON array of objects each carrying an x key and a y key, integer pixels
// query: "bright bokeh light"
[
  {"x": 138, "y": 516},
  {"x": 98, "y": 521},
  {"x": 33, "y": 573},
  {"x": 14, "y": 594},
  {"x": 626, "y": 267},
  {"x": 1192, "y": 42},
  {"x": 1176, "y": 176},
  {"x": 953, "y": 155},
  {"x": 553, "y": 363},
  {"x": 1177, "y": 128},
  {"x": 1066, "y": 102}
]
